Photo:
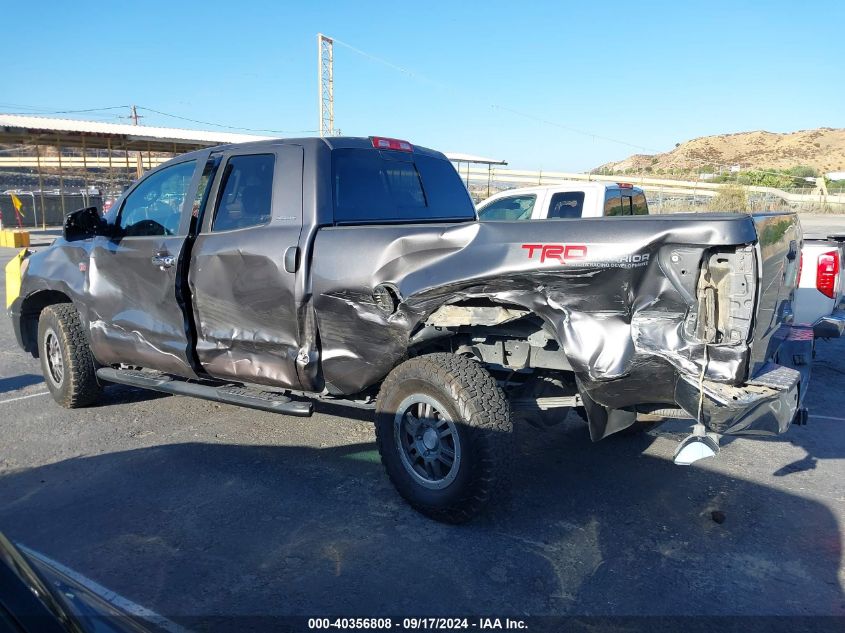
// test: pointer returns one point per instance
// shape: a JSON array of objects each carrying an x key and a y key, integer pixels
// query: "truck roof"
[{"x": 309, "y": 142}]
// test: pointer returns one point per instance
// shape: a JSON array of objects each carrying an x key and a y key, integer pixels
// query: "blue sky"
[{"x": 540, "y": 84}]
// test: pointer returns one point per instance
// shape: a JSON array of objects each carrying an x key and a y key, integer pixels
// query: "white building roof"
[
  {"x": 70, "y": 132},
  {"x": 32, "y": 128}
]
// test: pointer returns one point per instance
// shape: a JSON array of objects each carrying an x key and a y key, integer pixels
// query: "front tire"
[
  {"x": 445, "y": 436},
  {"x": 66, "y": 359}
]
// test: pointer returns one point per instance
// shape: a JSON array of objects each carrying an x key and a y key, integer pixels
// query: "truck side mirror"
[{"x": 84, "y": 224}]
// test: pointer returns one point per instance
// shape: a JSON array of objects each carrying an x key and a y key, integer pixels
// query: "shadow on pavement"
[
  {"x": 124, "y": 394},
  {"x": 590, "y": 529},
  {"x": 13, "y": 383},
  {"x": 825, "y": 412}
]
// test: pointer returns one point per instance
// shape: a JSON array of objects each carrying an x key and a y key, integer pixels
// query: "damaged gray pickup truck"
[{"x": 274, "y": 274}]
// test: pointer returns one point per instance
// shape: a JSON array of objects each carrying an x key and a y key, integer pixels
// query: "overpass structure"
[{"x": 666, "y": 186}]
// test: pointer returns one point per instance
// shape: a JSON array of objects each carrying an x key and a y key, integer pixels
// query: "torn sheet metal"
[{"x": 619, "y": 296}]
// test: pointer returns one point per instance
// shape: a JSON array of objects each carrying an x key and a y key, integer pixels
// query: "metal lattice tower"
[{"x": 325, "y": 59}]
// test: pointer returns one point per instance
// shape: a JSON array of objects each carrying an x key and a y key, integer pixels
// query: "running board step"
[{"x": 221, "y": 392}]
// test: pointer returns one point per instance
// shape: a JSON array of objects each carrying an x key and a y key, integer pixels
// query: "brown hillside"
[{"x": 823, "y": 149}]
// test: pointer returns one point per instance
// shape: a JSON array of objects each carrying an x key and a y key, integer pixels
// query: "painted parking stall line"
[{"x": 30, "y": 395}]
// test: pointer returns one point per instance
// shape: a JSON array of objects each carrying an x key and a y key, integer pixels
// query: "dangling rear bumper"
[{"x": 766, "y": 404}]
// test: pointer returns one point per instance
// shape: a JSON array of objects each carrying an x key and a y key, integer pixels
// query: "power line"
[
  {"x": 415, "y": 75},
  {"x": 88, "y": 110},
  {"x": 401, "y": 69},
  {"x": 41, "y": 110},
  {"x": 572, "y": 129},
  {"x": 221, "y": 125}
]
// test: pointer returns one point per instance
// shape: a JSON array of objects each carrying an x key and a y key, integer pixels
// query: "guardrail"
[{"x": 665, "y": 185}]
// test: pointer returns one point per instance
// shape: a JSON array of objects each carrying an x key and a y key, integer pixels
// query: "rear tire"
[
  {"x": 66, "y": 359},
  {"x": 445, "y": 436}
]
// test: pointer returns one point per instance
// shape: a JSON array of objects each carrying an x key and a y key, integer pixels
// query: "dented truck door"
[
  {"x": 131, "y": 291},
  {"x": 244, "y": 265}
]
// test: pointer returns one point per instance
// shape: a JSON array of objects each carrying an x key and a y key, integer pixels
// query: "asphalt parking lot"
[{"x": 195, "y": 510}]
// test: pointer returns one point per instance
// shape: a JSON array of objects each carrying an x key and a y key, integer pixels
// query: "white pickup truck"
[
  {"x": 820, "y": 295},
  {"x": 574, "y": 199}
]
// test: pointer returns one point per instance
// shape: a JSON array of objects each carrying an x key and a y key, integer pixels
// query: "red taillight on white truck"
[
  {"x": 827, "y": 273},
  {"x": 800, "y": 267}
]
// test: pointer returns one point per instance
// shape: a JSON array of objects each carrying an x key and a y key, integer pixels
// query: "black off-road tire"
[
  {"x": 75, "y": 383},
  {"x": 476, "y": 405}
]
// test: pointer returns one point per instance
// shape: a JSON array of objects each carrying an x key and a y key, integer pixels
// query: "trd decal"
[{"x": 561, "y": 252}]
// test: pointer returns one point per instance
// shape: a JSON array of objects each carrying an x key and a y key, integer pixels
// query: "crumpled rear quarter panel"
[{"x": 614, "y": 311}]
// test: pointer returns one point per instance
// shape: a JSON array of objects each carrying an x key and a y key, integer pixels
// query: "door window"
[
  {"x": 246, "y": 193},
  {"x": 203, "y": 190},
  {"x": 510, "y": 208},
  {"x": 566, "y": 204},
  {"x": 155, "y": 206}
]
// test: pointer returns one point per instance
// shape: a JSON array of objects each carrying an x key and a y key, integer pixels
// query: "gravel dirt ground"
[{"x": 196, "y": 509}]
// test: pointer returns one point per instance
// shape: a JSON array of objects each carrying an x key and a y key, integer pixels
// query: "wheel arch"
[{"x": 30, "y": 313}]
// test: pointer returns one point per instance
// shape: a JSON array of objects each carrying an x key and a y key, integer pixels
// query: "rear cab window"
[
  {"x": 640, "y": 205},
  {"x": 613, "y": 202},
  {"x": 509, "y": 208},
  {"x": 625, "y": 201},
  {"x": 373, "y": 186},
  {"x": 566, "y": 205}
]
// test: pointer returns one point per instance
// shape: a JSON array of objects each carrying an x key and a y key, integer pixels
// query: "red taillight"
[
  {"x": 827, "y": 272},
  {"x": 379, "y": 142},
  {"x": 625, "y": 185},
  {"x": 800, "y": 267}
]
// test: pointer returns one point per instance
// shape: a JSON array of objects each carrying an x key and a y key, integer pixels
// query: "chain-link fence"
[{"x": 50, "y": 185}]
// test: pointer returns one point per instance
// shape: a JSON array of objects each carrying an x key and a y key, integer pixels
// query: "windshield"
[
  {"x": 387, "y": 186},
  {"x": 509, "y": 208}
]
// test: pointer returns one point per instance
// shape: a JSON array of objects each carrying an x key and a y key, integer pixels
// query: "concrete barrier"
[{"x": 14, "y": 238}]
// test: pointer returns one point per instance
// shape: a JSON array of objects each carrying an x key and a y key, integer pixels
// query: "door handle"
[{"x": 163, "y": 260}]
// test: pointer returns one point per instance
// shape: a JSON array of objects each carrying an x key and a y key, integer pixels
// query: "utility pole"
[
  {"x": 139, "y": 161},
  {"x": 325, "y": 83}
]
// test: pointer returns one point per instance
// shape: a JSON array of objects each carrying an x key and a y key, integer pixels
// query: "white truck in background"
[
  {"x": 567, "y": 200},
  {"x": 820, "y": 295}
]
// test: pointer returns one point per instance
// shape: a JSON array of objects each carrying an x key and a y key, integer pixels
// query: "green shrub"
[{"x": 729, "y": 198}]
